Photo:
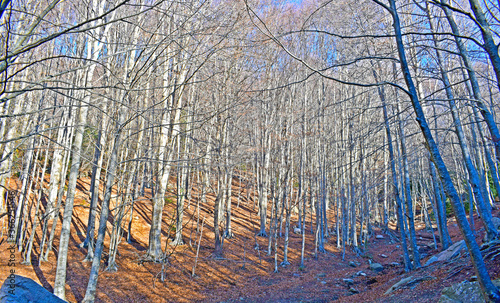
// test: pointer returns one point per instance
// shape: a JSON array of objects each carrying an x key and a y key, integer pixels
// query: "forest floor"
[{"x": 246, "y": 271}]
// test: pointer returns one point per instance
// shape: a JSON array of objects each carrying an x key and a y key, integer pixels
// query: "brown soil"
[{"x": 246, "y": 272}]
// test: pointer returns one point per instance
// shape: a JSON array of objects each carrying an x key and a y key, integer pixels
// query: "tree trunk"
[
  {"x": 101, "y": 233},
  {"x": 407, "y": 191},
  {"x": 395, "y": 185}
]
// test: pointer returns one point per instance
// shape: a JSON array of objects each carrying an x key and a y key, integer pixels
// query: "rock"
[
  {"x": 464, "y": 292},
  {"x": 360, "y": 273},
  {"x": 366, "y": 256},
  {"x": 473, "y": 278},
  {"x": 431, "y": 260},
  {"x": 383, "y": 256},
  {"x": 19, "y": 289},
  {"x": 353, "y": 290},
  {"x": 321, "y": 275},
  {"x": 348, "y": 281},
  {"x": 376, "y": 267},
  {"x": 452, "y": 251},
  {"x": 323, "y": 282},
  {"x": 496, "y": 222},
  {"x": 379, "y": 237},
  {"x": 296, "y": 230},
  {"x": 394, "y": 264},
  {"x": 352, "y": 264},
  {"x": 448, "y": 254}
]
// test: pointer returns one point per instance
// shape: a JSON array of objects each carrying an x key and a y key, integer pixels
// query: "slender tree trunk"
[
  {"x": 94, "y": 189},
  {"x": 218, "y": 241},
  {"x": 60, "y": 280},
  {"x": 407, "y": 190},
  {"x": 24, "y": 197},
  {"x": 55, "y": 179},
  {"x": 395, "y": 185},
  {"x": 101, "y": 233},
  {"x": 40, "y": 195},
  {"x": 64, "y": 170}
]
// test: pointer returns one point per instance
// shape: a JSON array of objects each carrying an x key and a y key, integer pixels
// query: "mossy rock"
[{"x": 464, "y": 292}]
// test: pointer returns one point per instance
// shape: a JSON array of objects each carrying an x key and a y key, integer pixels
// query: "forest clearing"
[{"x": 249, "y": 150}]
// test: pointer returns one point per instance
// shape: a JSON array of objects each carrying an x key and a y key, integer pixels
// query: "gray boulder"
[
  {"x": 448, "y": 254},
  {"x": 464, "y": 292},
  {"x": 431, "y": 260},
  {"x": 496, "y": 222},
  {"x": 376, "y": 267},
  {"x": 19, "y": 289}
]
